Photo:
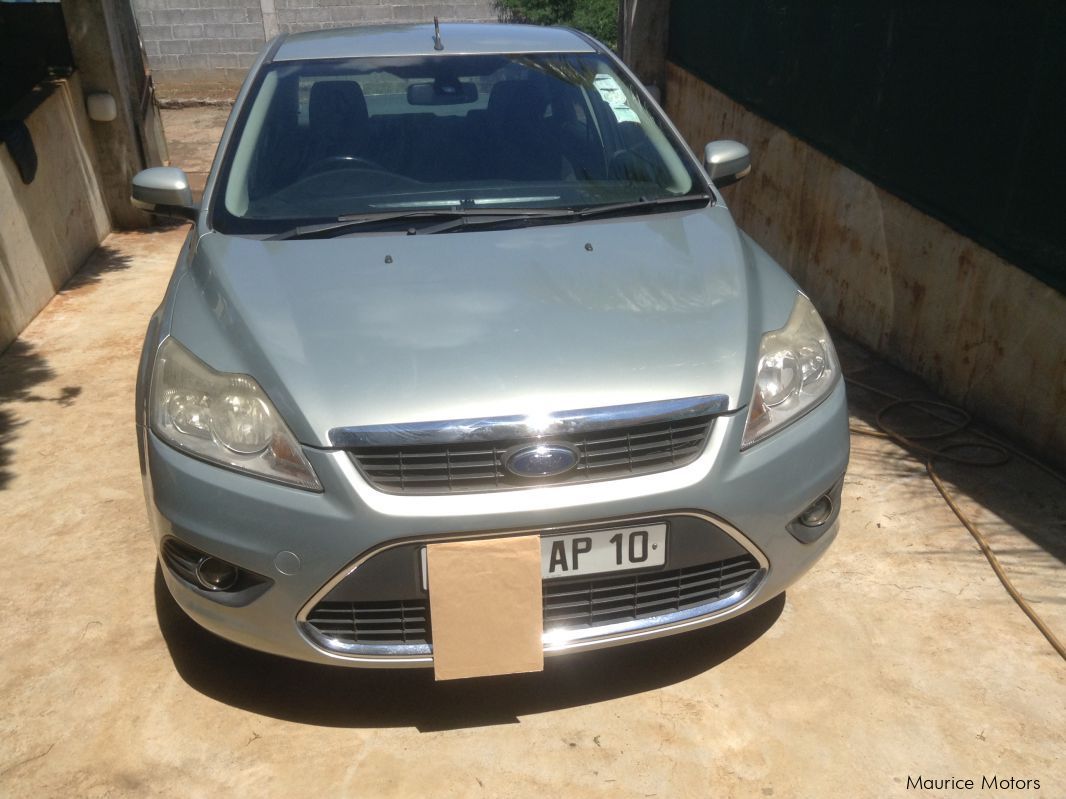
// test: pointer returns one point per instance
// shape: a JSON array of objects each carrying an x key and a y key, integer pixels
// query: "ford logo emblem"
[{"x": 541, "y": 460}]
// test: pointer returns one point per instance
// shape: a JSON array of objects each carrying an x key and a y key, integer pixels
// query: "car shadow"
[{"x": 330, "y": 696}]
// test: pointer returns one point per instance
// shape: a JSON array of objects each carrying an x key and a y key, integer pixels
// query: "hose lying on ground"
[{"x": 997, "y": 451}]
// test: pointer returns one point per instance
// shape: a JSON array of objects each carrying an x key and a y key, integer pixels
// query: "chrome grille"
[
  {"x": 595, "y": 602},
  {"x": 479, "y": 466}
]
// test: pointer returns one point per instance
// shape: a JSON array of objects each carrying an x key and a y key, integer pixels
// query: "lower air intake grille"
[
  {"x": 567, "y": 605},
  {"x": 607, "y": 600},
  {"x": 397, "y": 622},
  {"x": 182, "y": 560}
]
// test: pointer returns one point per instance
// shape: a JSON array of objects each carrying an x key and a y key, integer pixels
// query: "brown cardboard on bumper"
[{"x": 485, "y": 607}]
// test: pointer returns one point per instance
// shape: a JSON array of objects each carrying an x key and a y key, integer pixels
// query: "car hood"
[{"x": 389, "y": 328}]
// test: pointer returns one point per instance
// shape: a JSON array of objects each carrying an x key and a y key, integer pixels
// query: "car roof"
[{"x": 407, "y": 40}]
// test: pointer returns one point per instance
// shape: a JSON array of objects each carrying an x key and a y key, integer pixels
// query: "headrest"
[
  {"x": 337, "y": 101},
  {"x": 518, "y": 102}
]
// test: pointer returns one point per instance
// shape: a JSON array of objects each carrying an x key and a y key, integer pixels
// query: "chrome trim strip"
[
  {"x": 555, "y": 641},
  {"x": 585, "y": 420}
]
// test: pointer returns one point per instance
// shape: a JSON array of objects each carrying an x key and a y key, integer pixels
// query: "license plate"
[
  {"x": 615, "y": 550},
  {"x": 579, "y": 554}
]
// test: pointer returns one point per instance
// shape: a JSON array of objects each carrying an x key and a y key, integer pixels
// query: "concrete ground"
[
  {"x": 192, "y": 136},
  {"x": 898, "y": 656}
]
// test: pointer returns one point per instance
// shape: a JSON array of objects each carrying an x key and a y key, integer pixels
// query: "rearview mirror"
[
  {"x": 726, "y": 162},
  {"x": 164, "y": 190},
  {"x": 443, "y": 92}
]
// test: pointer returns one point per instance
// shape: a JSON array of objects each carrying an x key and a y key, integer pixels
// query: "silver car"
[{"x": 463, "y": 284}]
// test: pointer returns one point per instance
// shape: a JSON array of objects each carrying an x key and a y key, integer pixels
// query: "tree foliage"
[{"x": 596, "y": 17}]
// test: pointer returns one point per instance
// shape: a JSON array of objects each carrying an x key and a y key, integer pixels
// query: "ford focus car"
[{"x": 466, "y": 284}]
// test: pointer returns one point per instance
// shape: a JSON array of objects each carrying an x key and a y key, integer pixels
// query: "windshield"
[{"x": 322, "y": 140}]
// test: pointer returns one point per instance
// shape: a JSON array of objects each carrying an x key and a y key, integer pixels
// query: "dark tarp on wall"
[
  {"x": 33, "y": 48},
  {"x": 957, "y": 107}
]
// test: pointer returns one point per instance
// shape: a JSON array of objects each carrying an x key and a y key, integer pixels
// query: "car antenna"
[{"x": 437, "y": 43}]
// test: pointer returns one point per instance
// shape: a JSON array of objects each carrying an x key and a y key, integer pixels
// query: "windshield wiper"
[
  {"x": 486, "y": 218},
  {"x": 568, "y": 214},
  {"x": 571, "y": 214},
  {"x": 636, "y": 205},
  {"x": 458, "y": 216}
]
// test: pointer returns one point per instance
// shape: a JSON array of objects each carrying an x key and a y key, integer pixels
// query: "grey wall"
[
  {"x": 103, "y": 39},
  {"x": 49, "y": 226},
  {"x": 194, "y": 44}
]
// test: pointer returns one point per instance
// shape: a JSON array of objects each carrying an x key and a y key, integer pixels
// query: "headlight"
[
  {"x": 797, "y": 369},
  {"x": 224, "y": 418}
]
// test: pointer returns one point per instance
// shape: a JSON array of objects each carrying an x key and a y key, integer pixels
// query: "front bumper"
[{"x": 302, "y": 541}]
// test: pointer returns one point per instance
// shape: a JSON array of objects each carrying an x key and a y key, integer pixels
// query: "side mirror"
[
  {"x": 164, "y": 190},
  {"x": 726, "y": 162}
]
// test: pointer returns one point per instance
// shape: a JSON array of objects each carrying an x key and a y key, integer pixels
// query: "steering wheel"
[{"x": 343, "y": 160}]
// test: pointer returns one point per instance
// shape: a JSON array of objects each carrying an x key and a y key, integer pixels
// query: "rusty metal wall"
[{"x": 984, "y": 333}]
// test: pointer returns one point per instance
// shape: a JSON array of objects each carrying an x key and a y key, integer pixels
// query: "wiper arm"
[
  {"x": 485, "y": 217},
  {"x": 492, "y": 218},
  {"x": 636, "y": 205},
  {"x": 343, "y": 224},
  {"x": 457, "y": 216}
]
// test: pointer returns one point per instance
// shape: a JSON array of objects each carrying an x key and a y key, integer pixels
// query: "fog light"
[
  {"x": 216, "y": 575},
  {"x": 819, "y": 510}
]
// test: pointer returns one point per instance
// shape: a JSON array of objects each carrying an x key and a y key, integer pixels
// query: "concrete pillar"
[
  {"x": 645, "y": 26},
  {"x": 105, "y": 44},
  {"x": 270, "y": 19}
]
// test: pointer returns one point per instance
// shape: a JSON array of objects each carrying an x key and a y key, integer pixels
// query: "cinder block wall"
[
  {"x": 198, "y": 47},
  {"x": 302, "y": 15},
  {"x": 200, "y": 41}
]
